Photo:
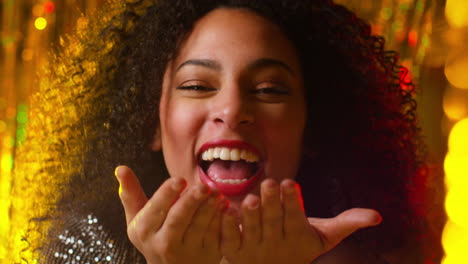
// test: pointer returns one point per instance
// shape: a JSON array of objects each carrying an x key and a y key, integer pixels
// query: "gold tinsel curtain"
[
  {"x": 422, "y": 31},
  {"x": 29, "y": 31}
]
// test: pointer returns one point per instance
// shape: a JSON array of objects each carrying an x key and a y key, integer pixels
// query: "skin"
[
  {"x": 240, "y": 96},
  {"x": 219, "y": 87}
]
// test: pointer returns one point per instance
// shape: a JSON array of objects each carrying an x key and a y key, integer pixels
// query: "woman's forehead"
[{"x": 237, "y": 35}]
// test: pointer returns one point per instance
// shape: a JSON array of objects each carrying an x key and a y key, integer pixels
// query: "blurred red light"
[
  {"x": 49, "y": 7},
  {"x": 413, "y": 38}
]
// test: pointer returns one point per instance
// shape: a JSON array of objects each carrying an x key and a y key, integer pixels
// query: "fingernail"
[
  {"x": 178, "y": 184},
  {"x": 378, "y": 219},
  {"x": 270, "y": 183},
  {"x": 222, "y": 202},
  {"x": 270, "y": 186},
  {"x": 253, "y": 206},
  {"x": 116, "y": 172},
  {"x": 289, "y": 187},
  {"x": 201, "y": 191},
  {"x": 252, "y": 202},
  {"x": 231, "y": 212},
  {"x": 118, "y": 179}
]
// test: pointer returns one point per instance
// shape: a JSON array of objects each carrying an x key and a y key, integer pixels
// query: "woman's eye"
[
  {"x": 272, "y": 91},
  {"x": 198, "y": 88}
]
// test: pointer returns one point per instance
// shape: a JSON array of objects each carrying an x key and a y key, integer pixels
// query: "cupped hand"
[
  {"x": 175, "y": 225},
  {"x": 274, "y": 229}
]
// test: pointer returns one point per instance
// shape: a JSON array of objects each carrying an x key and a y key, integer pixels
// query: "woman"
[{"x": 281, "y": 90}]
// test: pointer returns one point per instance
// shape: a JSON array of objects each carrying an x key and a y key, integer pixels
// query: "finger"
[
  {"x": 131, "y": 194},
  {"x": 294, "y": 218},
  {"x": 201, "y": 220},
  {"x": 213, "y": 234},
  {"x": 272, "y": 211},
  {"x": 334, "y": 230},
  {"x": 251, "y": 222},
  {"x": 230, "y": 233},
  {"x": 180, "y": 215},
  {"x": 150, "y": 219}
]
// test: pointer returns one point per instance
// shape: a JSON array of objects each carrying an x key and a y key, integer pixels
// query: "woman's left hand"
[{"x": 275, "y": 229}]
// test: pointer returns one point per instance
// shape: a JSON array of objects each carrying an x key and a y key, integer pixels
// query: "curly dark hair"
[{"x": 98, "y": 107}]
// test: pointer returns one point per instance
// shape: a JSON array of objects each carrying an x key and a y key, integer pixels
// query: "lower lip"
[{"x": 230, "y": 189}]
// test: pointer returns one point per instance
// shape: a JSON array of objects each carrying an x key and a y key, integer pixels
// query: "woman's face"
[{"x": 232, "y": 110}]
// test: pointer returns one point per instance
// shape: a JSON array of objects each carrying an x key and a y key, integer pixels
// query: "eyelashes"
[
  {"x": 258, "y": 91},
  {"x": 196, "y": 88},
  {"x": 271, "y": 91}
]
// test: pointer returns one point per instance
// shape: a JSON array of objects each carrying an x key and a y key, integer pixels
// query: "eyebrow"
[
  {"x": 268, "y": 62},
  {"x": 211, "y": 64},
  {"x": 257, "y": 64}
]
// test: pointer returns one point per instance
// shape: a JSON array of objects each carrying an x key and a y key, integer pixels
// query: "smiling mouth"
[
  {"x": 231, "y": 166},
  {"x": 233, "y": 171}
]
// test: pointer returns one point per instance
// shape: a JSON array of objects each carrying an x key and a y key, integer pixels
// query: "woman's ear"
[{"x": 156, "y": 143}]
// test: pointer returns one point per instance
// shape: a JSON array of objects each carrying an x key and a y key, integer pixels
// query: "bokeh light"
[
  {"x": 386, "y": 13},
  {"x": 456, "y": 68},
  {"x": 8, "y": 142},
  {"x": 458, "y": 139},
  {"x": 38, "y": 10},
  {"x": 413, "y": 38},
  {"x": 456, "y": 169},
  {"x": 3, "y": 126},
  {"x": 40, "y": 23},
  {"x": 6, "y": 162},
  {"x": 455, "y": 204},
  {"x": 22, "y": 115},
  {"x": 27, "y": 54},
  {"x": 456, "y": 12},
  {"x": 455, "y": 239},
  {"x": 455, "y": 103},
  {"x": 49, "y": 7},
  {"x": 455, "y": 235}
]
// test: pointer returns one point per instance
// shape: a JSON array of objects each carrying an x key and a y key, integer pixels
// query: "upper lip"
[{"x": 239, "y": 144}]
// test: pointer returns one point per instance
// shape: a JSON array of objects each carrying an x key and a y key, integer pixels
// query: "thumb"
[
  {"x": 333, "y": 230},
  {"x": 131, "y": 194}
]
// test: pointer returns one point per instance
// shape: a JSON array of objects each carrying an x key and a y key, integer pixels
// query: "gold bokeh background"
[{"x": 431, "y": 37}]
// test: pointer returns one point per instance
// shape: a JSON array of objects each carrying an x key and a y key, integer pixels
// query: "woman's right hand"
[{"x": 175, "y": 225}]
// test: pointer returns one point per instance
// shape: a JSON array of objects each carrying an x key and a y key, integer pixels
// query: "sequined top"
[{"x": 86, "y": 242}]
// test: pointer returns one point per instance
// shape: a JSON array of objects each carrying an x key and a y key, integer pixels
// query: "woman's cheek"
[
  {"x": 179, "y": 137},
  {"x": 283, "y": 134}
]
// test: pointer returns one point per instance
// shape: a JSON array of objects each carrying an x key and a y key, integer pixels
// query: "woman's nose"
[{"x": 232, "y": 108}]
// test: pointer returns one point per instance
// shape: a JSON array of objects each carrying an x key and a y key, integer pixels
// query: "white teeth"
[
  {"x": 250, "y": 157},
  {"x": 216, "y": 152},
  {"x": 243, "y": 154},
  {"x": 230, "y": 181},
  {"x": 209, "y": 154},
  {"x": 229, "y": 154},
  {"x": 235, "y": 155},
  {"x": 225, "y": 154},
  {"x": 205, "y": 155}
]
